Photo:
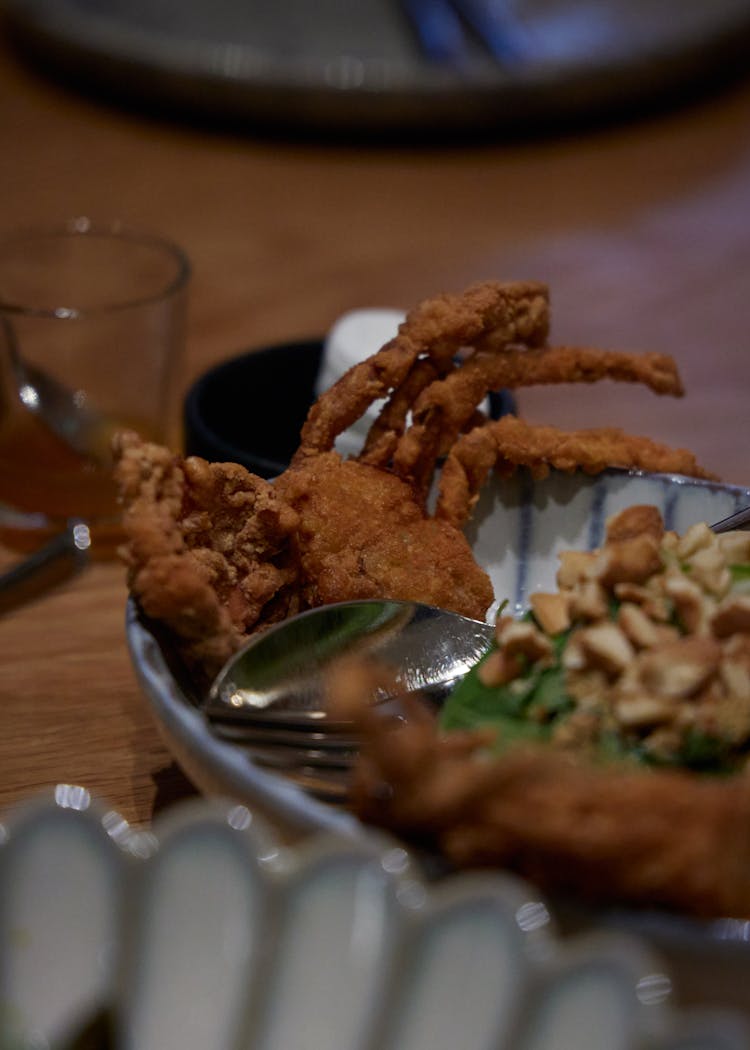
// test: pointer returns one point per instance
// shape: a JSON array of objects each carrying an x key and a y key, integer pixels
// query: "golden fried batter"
[
  {"x": 437, "y": 328},
  {"x": 442, "y": 411},
  {"x": 509, "y": 443},
  {"x": 602, "y": 835},
  {"x": 362, "y": 535},
  {"x": 207, "y": 548}
]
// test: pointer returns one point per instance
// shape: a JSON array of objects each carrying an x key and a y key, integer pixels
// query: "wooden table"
[{"x": 643, "y": 232}]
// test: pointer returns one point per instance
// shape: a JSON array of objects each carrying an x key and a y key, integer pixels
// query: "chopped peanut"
[
  {"x": 653, "y": 604},
  {"x": 524, "y": 639},
  {"x": 551, "y": 611},
  {"x": 604, "y": 645},
  {"x": 736, "y": 547},
  {"x": 575, "y": 566},
  {"x": 588, "y": 602},
  {"x": 657, "y": 650},
  {"x": 691, "y": 604},
  {"x": 580, "y": 730},
  {"x": 639, "y": 628},
  {"x": 708, "y": 568},
  {"x": 662, "y": 743},
  {"x": 587, "y": 687},
  {"x": 639, "y": 520},
  {"x": 640, "y": 712},
  {"x": 680, "y": 668},
  {"x": 736, "y": 679},
  {"x": 732, "y": 616},
  {"x": 498, "y": 669},
  {"x": 696, "y": 538},
  {"x": 573, "y": 656},
  {"x": 628, "y": 561},
  {"x": 501, "y": 624}
]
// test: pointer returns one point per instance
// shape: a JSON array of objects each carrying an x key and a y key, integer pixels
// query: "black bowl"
[{"x": 250, "y": 409}]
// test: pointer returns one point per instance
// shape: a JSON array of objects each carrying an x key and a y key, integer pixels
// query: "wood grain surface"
[{"x": 642, "y": 230}]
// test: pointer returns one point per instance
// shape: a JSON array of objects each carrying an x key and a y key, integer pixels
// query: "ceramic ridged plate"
[
  {"x": 204, "y": 931},
  {"x": 357, "y": 67}
]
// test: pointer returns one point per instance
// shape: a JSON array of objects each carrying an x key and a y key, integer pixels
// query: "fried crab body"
[{"x": 361, "y": 534}]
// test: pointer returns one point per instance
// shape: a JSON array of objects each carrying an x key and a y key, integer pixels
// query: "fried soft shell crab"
[{"x": 216, "y": 553}]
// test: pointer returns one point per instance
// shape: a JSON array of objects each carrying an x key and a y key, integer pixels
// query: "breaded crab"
[{"x": 216, "y": 553}]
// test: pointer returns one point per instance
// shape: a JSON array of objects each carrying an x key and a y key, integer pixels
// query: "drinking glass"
[{"x": 92, "y": 324}]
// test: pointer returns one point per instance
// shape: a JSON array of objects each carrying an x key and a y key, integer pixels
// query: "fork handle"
[{"x": 62, "y": 557}]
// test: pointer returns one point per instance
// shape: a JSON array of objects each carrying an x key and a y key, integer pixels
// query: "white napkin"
[{"x": 353, "y": 337}]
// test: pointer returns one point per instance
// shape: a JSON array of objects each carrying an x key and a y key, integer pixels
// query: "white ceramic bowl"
[
  {"x": 517, "y": 531},
  {"x": 206, "y": 932}
]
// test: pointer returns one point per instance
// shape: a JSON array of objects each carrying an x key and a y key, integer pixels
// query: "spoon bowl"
[{"x": 277, "y": 680}]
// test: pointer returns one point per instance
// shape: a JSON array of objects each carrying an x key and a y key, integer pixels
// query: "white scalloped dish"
[{"x": 205, "y": 932}]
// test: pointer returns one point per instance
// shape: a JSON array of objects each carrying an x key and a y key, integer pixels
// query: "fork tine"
[
  {"x": 326, "y": 775},
  {"x": 294, "y": 740},
  {"x": 325, "y": 763}
]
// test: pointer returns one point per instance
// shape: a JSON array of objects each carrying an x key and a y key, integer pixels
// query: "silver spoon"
[
  {"x": 64, "y": 411},
  {"x": 277, "y": 680},
  {"x": 269, "y": 699}
]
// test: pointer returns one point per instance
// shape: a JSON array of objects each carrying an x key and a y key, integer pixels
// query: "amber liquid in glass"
[{"x": 41, "y": 475}]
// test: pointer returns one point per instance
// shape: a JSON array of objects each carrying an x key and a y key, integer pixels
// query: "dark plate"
[
  {"x": 356, "y": 67},
  {"x": 250, "y": 408}
]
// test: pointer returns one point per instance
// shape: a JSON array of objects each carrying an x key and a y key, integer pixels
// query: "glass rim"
[{"x": 114, "y": 230}]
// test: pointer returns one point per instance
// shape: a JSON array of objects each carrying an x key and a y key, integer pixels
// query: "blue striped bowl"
[
  {"x": 520, "y": 526},
  {"x": 517, "y": 531}
]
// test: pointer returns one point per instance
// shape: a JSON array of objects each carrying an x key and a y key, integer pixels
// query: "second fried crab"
[{"x": 216, "y": 553}]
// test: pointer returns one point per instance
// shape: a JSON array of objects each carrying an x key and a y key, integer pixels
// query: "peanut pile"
[{"x": 651, "y": 634}]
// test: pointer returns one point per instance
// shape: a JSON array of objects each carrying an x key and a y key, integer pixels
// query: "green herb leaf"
[
  {"x": 701, "y": 751},
  {"x": 521, "y": 709}
]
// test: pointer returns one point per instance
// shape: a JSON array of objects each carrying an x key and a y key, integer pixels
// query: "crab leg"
[
  {"x": 509, "y": 443},
  {"x": 444, "y": 408},
  {"x": 436, "y": 329}
]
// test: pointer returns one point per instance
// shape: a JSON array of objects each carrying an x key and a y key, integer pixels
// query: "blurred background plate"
[{"x": 358, "y": 67}]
